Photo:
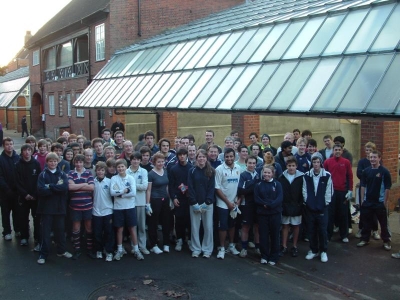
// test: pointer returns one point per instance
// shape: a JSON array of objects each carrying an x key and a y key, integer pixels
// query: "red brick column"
[
  {"x": 168, "y": 126},
  {"x": 385, "y": 134},
  {"x": 245, "y": 124}
]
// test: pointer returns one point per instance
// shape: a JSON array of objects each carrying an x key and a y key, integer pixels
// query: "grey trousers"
[{"x": 195, "y": 219}]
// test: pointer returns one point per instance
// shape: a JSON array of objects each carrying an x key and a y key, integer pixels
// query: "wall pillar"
[
  {"x": 245, "y": 124},
  {"x": 168, "y": 126}
]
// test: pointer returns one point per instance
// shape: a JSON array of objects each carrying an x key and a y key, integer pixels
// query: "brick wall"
[
  {"x": 246, "y": 124},
  {"x": 168, "y": 126}
]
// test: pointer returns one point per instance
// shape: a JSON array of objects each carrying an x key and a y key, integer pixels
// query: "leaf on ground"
[
  {"x": 102, "y": 298},
  {"x": 147, "y": 281}
]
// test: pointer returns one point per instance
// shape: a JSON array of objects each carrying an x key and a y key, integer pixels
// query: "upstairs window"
[
  {"x": 65, "y": 54},
  {"x": 35, "y": 58},
  {"x": 100, "y": 42},
  {"x": 52, "y": 111},
  {"x": 51, "y": 59}
]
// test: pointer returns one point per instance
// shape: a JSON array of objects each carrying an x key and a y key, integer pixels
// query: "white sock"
[
  {"x": 119, "y": 247},
  {"x": 135, "y": 248}
]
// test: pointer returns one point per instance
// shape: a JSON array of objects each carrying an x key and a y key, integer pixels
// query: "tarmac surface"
[{"x": 351, "y": 273}]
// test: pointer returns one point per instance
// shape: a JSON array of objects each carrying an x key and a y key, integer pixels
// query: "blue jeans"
[
  {"x": 269, "y": 229},
  {"x": 317, "y": 223}
]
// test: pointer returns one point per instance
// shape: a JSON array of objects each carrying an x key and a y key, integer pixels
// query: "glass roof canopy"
[{"x": 314, "y": 57}]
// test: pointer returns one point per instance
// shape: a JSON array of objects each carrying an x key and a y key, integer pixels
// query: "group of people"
[{"x": 109, "y": 189}]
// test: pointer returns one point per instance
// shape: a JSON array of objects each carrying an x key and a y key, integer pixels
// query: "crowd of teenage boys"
[{"x": 108, "y": 190}]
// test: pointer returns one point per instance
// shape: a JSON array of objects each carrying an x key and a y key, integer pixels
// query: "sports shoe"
[
  {"x": 272, "y": 263},
  {"x": 65, "y": 254},
  {"x": 41, "y": 261},
  {"x": 195, "y": 254},
  {"x": 358, "y": 234},
  {"x": 375, "y": 235},
  {"x": 144, "y": 251},
  {"x": 8, "y": 237},
  {"x": 311, "y": 255},
  {"x": 243, "y": 253},
  {"x": 137, "y": 254},
  {"x": 324, "y": 257},
  {"x": 109, "y": 257},
  {"x": 396, "y": 255},
  {"x": 37, "y": 248},
  {"x": 118, "y": 255},
  {"x": 362, "y": 243},
  {"x": 387, "y": 246},
  {"x": 24, "y": 242},
  {"x": 206, "y": 255},
  {"x": 221, "y": 253},
  {"x": 178, "y": 246},
  {"x": 283, "y": 251},
  {"x": 252, "y": 245},
  {"x": 124, "y": 251},
  {"x": 263, "y": 261},
  {"x": 99, "y": 254},
  {"x": 156, "y": 250},
  {"x": 345, "y": 240},
  {"x": 166, "y": 249},
  {"x": 257, "y": 251},
  {"x": 76, "y": 255},
  {"x": 233, "y": 250},
  {"x": 335, "y": 229},
  {"x": 295, "y": 252}
]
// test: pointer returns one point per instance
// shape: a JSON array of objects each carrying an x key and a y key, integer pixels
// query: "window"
[
  {"x": 51, "y": 105},
  {"x": 100, "y": 42},
  {"x": 68, "y": 104},
  {"x": 82, "y": 49},
  {"x": 51, "y": 59},
  {"x": 65, "y": 58},
  {"x": 35, "y": 58},
  {"x": 60, "y": 105},
  {"x": 79, "y": 112}
]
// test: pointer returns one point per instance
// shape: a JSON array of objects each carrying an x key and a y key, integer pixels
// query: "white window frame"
[
  {"x": 52, "y": 110},
  {"x": 100, "y": 42},
  {"x": 35, "y": 58},
  {"x": 79, "y": 112},
  {"x": 69, "y": 105}
]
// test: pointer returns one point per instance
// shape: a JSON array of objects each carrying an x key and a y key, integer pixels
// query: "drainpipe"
[{"x": 139, "y": 18}]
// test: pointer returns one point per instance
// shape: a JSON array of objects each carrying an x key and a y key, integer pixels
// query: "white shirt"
[
  {"x": 227, "y": 180},
  {"x": 141, "y": 180},
  {"x": 102, "y": 201},
  {"x": 117, "y": 186}
]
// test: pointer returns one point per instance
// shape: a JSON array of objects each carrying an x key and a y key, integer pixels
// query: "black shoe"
[
  {"x": 295, "y": 252},
  {"x": 92, "y": 254},
  {"x": 283, "y": 251},
  {"x": 76, "y": 255}
]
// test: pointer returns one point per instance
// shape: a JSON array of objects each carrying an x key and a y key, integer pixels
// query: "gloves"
[
  {"x": 349, "y": 195},
  {"x": 148, "y": 209},
  {"x": 204, "y": 207},
  {"x": 171, "y": 204},
  {"x": 234, "y": 212},
  {"x": 196, "y": 208}
]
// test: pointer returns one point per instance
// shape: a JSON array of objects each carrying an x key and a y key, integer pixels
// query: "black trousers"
[
  {"x": 161, "y": 210},
  {"x": 24, "y": 209},
  {"x": 9, "y": 205},
  {"x": 47, "y": 222}
]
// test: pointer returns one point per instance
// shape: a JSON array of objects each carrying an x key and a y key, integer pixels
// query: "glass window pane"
[
  {"x": 196, "y": 88},
  {"x": 222, "y": 47},
  {"x": 253, "y": 45},
  {"x": 345, "y": 32},
  {"x": 131, "y": 59},
  {"x": 175, "y": 88},
  {"x": 212, "y": 50},
  {"x": 255, "y": 86},
  {"x": 390, "y": 35},
  {"x": 189, "y": 55},
  {"x": 153, "y": 59},
  {"x": 150, "y": 56},
  {"x": 146, "y": 90},
  {"x": 339, "y": 83},
  {"x": 274, "y": 85},
  {"x": 304, "y": 38},
  {"x": 238, "y": 47},
  {"x": 315, "y": 84},
  {"x": 179, "y": 56},
  {"x": 208, "y": 89},
  {"x": 203, "y": 49},
  {"x": 268, "y": 43},
  {"x": 237, "y": 89},
  {"x": 285, "y": 40},
  {"x": 365, "y": 83},
  {"x": 138, "y": 59},
  {"x": 170, "y": 57},
  {"x": 163, "y": 90},
  {"x": 126, "y": 83},
  {"x": 226, "y": 85},
  {"x": 186, "y": 89},
  {"x": 369, "y": 29},
  {"x": 112, "y": 88},
  {"x": 165, "y": 53},
  {"x": 153, "y": 90},
  {"x": 135, "y": 90},
  {"x": 387, "y": 95},
  {"x": 293, "y": 85},
  {"x": 323, "y": 36}
]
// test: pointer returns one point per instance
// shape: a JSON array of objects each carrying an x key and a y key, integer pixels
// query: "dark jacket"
[
  {"x": 178, "y": 181},
  {"x": 26, "y": 177},
  {"x": 268, "y": 196},
  {"x": 317, "y": 200},
  {"x": 246, "y": 186},
  {"x": 52, "y": 192},
  {"x": 7, "y": 170},
  {"x": 292, "y": 194},
  {"x": 201, "y": 187}
]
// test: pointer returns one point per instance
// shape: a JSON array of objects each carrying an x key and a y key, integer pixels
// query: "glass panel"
[
  {"x": 153, "y": 59},
  {"x": 388, "y": 93},
  {"x": 369, "y": 29},
  {"x": 179, "y": 56},
  {"x": 221, "y": 47},
  {"x": 304, "y": 38},
  {"x": 146, "y": 90},
  {"x": 150, "y": 55},
  {"x": 238, "y": 88},
  {"x": 203, "y": 49},
  {"x": 154, "y": 88},
  {"x": 253, "y": 45},
  {"x": 268, "y": 43},
  {"x": 135, "y": 90},
  {"x": 365, "y": 83},
  {"x": 170, "y": 57},
  {"x": 212, "y": 50},
  {"x": 323, "y": 35},
  {"x": 100, "y": 89},
  {"x": 88, "y": 95},
  {"x": 133, "y": 87},
  {"x": 160, "y": 60},
  {"x": 240, "y": 44},
  {"x": 274, "y": 85},
  {"x": 345, "y": 32},
  {"x": 285, "y": 40},
  {"x": 113, "y": 88},
  {"x": 174, "y": 89},
  {"x": 130, "y": 58},
  {"x": 228, "y": 82},
  {"x": 293, "y": 85},
  {"x": 164, "y": 89},
  {"x": 314, "y": 85},
  {"x": 190, "y": 54},
  {"x": 208, "y": 89},
  {"x": 390, "y": 34},
  {"x": 125, "y": 84},
  {"x": 339, "y": 83},
  {"x": 183, "y": 92},
  {"x": 138, "y": 59}
]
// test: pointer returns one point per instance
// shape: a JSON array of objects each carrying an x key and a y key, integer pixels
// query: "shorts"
[
  {"x": 79, "y": 215},
  {"x": 225, "y": 221},
  {"x": 249, "y": 214},
  {"x": 125, "y": 217},
  {"x": 291, "y": 220}
]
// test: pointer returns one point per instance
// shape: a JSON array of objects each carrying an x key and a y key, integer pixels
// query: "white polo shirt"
[{"x": 227, "y": 180}]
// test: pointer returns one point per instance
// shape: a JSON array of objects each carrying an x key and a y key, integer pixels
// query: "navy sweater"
[
  {"x": 201, "y": 187},
  {"x": 268, "y": 197},
  {"x": 178, "y": 181}
]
